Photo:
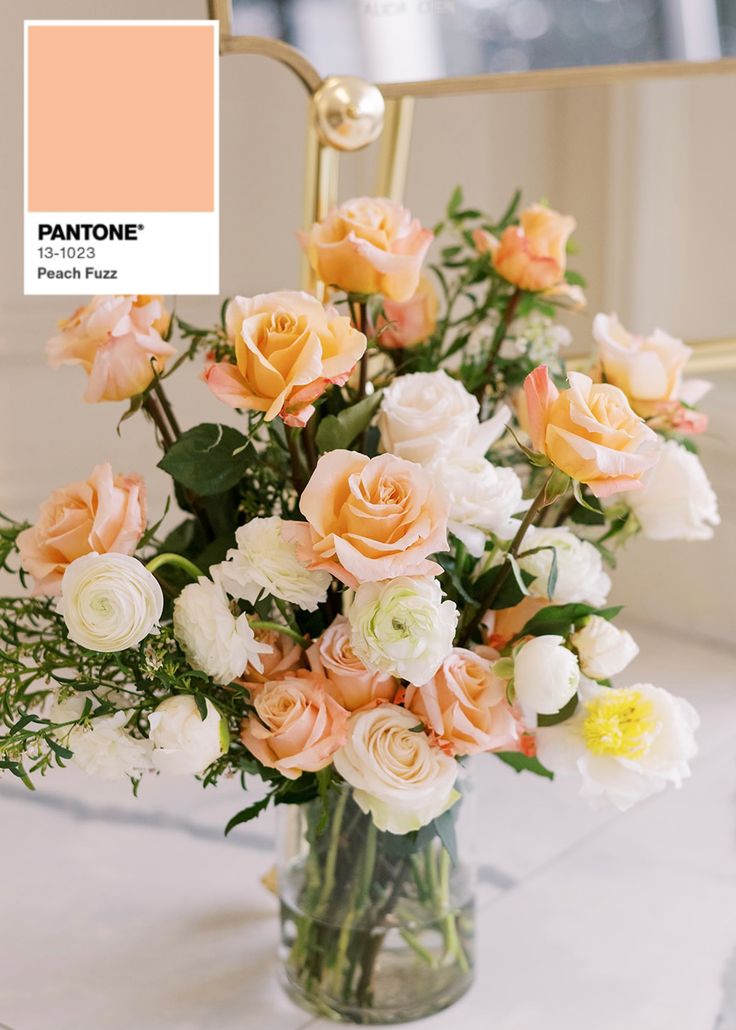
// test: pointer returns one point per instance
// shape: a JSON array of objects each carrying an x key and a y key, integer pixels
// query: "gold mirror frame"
[{"x": 322, "y": 160}]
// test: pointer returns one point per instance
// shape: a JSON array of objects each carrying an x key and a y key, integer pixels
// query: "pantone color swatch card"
[{"x": 112, "y": 204}]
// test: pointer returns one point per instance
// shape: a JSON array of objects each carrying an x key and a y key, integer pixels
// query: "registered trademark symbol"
[{"x": 140, "y": 225}]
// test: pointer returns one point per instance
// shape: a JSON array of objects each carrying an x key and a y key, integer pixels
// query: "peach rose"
[
  {"x": 297, "y": 725},
  {"x": 589, "y": 432},
  {"x": 506, "y": 623},
  {"x": 649, "y": 371},
  {"x": 285, "y": 656},
  {"x": 370, "y": 518},
  {"x": 349, "y": 681},
  {"x": 288, "y": 350},
  {"x": 369, "y": 245},
  {"x": 118, "y": 342},
  {"x": 406, "y": 323},
  {"x": 465, "y": 705},
  {"x": 104, "y": 513},
  {"x": 530, "y": 255}
]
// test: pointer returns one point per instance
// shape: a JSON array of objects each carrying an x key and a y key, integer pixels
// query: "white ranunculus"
[
  {"x": 603, "y": 649},
  {"x": 625, "y": 743},
  {"x": 483, "y": 497},
  {"x": 546, "y": 675},
  {"x": 104, "y": 747},
  {"x": 183, "y": 742},
  {"x": 215, "y": 640},
  {"x": 676, "y": 500},
  {"x": 425, "y": 414},
  {"x": 109, "y": 601},
  {"x": 397, "y": 775},
  {"x": 265, "y": 562},
  {"x": 402, "y": 627},
  {"x": 580, "y": 573}
]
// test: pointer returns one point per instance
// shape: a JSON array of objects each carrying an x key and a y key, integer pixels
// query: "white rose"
[
  {"x": 580, "y": 573},
  {"x": 483, "y": 498},
  {"x": 265, "y": 562},
  {"x": 397, "y": 776},
  {"x": 109, "y": 601},
  {"x": 546, "y": 675},
  {"x": 184, "y": 742},
  {"x": 214, "y": 640},
  {"x": 625, "y": 743},
  {"x": 425, "y": 414},
  {"x": 104, "y": 747},
  {"x": 402, "y": 627},
  {"x": 676, "y": 501},
  {"x": 603, "y": 649}
]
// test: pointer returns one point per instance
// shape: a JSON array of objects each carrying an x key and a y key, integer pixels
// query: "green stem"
[
  {"x": 498, "y": 337},
  {"x": 277, "y": 627},
  {"x": 174, "y": 559}
]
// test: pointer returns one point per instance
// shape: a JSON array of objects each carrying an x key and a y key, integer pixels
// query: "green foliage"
[
  {"x": 337, "y": 432},
  {"x": 562, "y": 619},
  {"x": 209, "y": 458},
  {"x": 524, "y": 763}
]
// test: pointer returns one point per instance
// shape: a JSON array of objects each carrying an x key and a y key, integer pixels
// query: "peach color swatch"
[{"x": 121, "y": 117}]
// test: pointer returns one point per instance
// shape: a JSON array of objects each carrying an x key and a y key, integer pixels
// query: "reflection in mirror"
[{"x": 416, "y": 40}]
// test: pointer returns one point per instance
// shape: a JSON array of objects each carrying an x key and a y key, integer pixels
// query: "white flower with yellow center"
[{"x": 625, "y": 743}]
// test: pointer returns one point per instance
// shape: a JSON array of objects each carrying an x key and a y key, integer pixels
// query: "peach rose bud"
[
  {"x": 531, "y": 255},
  {"x": 407, "y": 323},
  {"x": 370, "y": 519},
  {"x": 105, "y": 513},
  {"x": 347, "y": 678},
  {"x": 589, "y": 432},
  {"x": 117, "y": 340},
  {"x": 297, "y": 726},
  {"x": 288, "y": 350},
  {"x": 285, "y": 656},
  {"x": 369, "y": 245},
  {"x": 465, "y": 705}
]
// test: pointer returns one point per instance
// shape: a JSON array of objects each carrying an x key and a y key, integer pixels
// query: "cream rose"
[
  {"x": 484, "y": 498},
  {"x": 265, "y": 561},
  {"x": 546, "y": 675},
  {"x": 104, "y": 513},
  {"x": 625, "y": 744},
  {"x": 369, "y": 245},
  {"x": 215, "y": 640},
  {"x": 183, "y": 742},
  {"x": 465, "y": 705},
  {"x": 402, "y": 627},
  {"x": 288, "y": 350},
  {"x": 407, "y": 323},
  {"x": 677, "y": 501},
  {"x": 427, "y": 414},
  {"x": 580, "y": 572},
  {"x": 531, "y": 255},
  {"x": 603, "y": 649},
  {"x": 370, "y": 519},
  {"x": 397, "y": 775},
  {"x": 297, "y": 726},
  {"x": 117, "y": 340},
  {"x": 347, "y": 678},
  {"x": 589, "y": 432},
  {"x": 109, "y": 601}
]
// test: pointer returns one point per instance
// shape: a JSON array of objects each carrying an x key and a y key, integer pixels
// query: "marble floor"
[{"x": 125, "y": 914}]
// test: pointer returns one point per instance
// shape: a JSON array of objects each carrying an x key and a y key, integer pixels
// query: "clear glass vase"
[{"x": 375, "y": 927}]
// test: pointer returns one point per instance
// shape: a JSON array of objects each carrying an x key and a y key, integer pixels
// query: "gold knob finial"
[{"x": 348, "y": 112}]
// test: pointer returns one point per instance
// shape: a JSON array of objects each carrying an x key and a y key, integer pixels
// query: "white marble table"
[{"x": 124, "y": 914}]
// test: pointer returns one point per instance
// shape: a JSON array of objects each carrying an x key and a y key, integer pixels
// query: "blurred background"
[{"x": 409, "y": 40}]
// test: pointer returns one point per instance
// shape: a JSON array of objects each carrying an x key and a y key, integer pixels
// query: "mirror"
[{"x": 399, "y": 41}]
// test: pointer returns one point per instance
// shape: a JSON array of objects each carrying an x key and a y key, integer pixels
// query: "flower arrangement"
[{"x": 396, "y": 561}]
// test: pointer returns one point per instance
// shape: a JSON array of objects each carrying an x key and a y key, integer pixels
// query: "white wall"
[{"x": 646, "y": 168}]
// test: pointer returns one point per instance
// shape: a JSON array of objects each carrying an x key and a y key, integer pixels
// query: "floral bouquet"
[{"x": 396, "y": 561}]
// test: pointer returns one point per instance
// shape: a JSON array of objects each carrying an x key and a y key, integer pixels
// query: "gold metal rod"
[
  {"x": 322, "y": 169},
  {"x": 393, "y": 157}
]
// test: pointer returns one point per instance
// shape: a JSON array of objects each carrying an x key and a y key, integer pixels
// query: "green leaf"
[
  {"x": 559, "y": 619},
  {"x": 578, "y": 492},
  {"x": 510, "y": 593},
  {"x": 337, "y": 432},
  {"x": 453, "y": 205},
  {"x": 524, "y": 763},
  {"x": 201, "y": 702},
  {"x": 575, "y": 278},
  {"x": 208, "y": 459},
  {"x": 564, "y": 713},
  {"x": 445, "y": 826},
  {"x": 251, "y": 812}
]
